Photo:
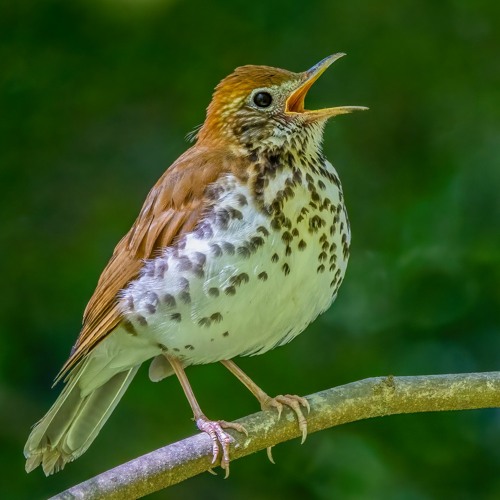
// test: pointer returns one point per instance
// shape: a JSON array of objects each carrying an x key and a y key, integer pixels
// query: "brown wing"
[{"x": 173, "y": 207}]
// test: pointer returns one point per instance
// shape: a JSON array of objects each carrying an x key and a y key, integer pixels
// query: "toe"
[{"x": 294, "y": 403}]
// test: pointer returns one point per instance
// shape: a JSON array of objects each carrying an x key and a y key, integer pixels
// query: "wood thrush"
[{"x": 242, "y": 242}]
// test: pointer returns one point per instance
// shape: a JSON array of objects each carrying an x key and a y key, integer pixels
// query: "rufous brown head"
[{"x": 261, "y": 105}]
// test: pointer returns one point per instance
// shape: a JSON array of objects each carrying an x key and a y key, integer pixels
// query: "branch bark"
[{"x": 373, "y": 397}]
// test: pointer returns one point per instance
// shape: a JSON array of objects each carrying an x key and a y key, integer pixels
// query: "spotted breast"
[{"x": 265, "y": 260}]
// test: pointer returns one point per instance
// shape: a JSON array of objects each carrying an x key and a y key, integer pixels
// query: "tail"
[{"x": 74, "y": 421}]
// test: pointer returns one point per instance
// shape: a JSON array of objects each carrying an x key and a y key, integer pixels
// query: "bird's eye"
[{"x": 262, "y": 99}]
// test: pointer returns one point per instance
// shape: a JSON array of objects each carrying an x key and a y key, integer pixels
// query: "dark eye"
[{"x": 262, "y": 99}]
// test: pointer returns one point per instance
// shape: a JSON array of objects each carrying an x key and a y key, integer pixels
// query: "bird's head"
[{"x": 260, "y": 106}]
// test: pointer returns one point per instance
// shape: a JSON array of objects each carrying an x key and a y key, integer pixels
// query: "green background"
[{"x": 96, "y": 98}]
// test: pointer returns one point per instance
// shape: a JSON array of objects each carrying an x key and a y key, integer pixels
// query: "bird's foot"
[
  {"x": 220, "y": 439},
  {"x": 295, "y": 403}
]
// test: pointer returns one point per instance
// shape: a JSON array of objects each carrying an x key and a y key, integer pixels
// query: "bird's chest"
[{"x": 265, "y": 261}]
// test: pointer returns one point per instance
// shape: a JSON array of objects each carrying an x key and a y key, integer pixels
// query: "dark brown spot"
[
  {"x": 321, "y": 184},
  {"x": 295, "y": 232},
  {"x": 204, "y": 231},
  {"x": 263, "y": 230},
  {"x": 216, "y": 317},
  {"x": 275, "y": 257},
  {"x": 185, "y": 297},
  {"x": 215, "y": 249},
  {"x": 286, "y": 269},
  {"x": 176, "y": 349},
  {"x": 276, "y": 224},
  {"x": 225, "y": 334},
  {"x": 163, "y": 347},
  {"x": 230, "y": 290},
  {"x": 222, "y": 218},
  {"x": 235, "y": 213},
  {"x": 257, "y": 241},
  {"x": 176, "y": 317},
  {"x": 244, "y": 251},
  {"x": 200, "y": 258},
  {"x": 149, "y": 269},
  {"x": 228, "y": 248},
  {"x": 169, "y": 300},
  {"x": 289, "y": 192},
  {"x": 241, "y": 199},
  {"x": 321, "y": 268},
  {"x": 262, "y": 276},
  {"x": 141, "y": 320},
  {"x": 322, "y": 256},
  {"x": 198, "y": 271},
  {"x": 130, "y": 303},
  {"x": 184, "y": 263},
  {"x": 277, "y": 205},
  {"x": 204, "y": 322},
  {"x": 288, "y": 251},
  {"x": 302, "y": 245},
  {"x": 189, "y": 347},
  {"x": 129, "y": 327},
  {"x": 315, "y": 222},
  {"x": 239, "y": 279},
  {"x": 214, "y": 191},
  {"x": 184, "y": 284},
  {"x": 287, "y": 237},
  {"x": 161, "y": 268},
  {"x": 213, "y": 292}
]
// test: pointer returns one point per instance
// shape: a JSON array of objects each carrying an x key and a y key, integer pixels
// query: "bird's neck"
[{"x": 303, "y": 139}]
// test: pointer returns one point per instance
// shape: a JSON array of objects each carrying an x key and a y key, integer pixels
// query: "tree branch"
[{"x": 373, "y": 397}]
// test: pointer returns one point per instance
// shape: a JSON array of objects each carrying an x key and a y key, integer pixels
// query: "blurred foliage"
[{"x": 95, "y": 100}]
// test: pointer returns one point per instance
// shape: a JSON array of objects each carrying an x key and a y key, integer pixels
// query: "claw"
[
  {"x": 273, "y": 403},
  {"x": 294, "y": 403},
  {"x": 215, "y": 430},
  {"x": 270, "y": 454}
]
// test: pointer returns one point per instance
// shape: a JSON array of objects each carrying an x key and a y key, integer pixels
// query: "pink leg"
[
  {"x": 266, "y": 402},
  {"x": 213, "y": 428}
]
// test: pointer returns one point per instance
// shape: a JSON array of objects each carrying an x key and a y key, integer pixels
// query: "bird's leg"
[
  {"x": 266, "y": 402},
  {"x": 213, "y": 428}
]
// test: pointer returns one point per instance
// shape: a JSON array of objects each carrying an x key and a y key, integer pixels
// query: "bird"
[{"x": 241, "y": 243}]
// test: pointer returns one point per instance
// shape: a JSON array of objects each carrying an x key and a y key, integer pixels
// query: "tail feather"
[{"x": 74, "y": 421}]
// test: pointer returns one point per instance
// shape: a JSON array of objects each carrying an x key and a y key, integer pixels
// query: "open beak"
[{"x": 295, "y": 102}]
